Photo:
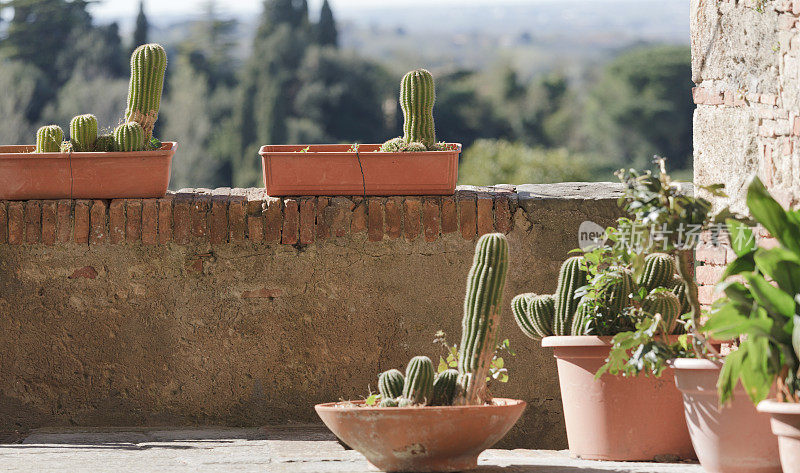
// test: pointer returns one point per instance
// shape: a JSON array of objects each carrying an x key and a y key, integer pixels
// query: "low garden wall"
[{"x": 229, "y": 307}]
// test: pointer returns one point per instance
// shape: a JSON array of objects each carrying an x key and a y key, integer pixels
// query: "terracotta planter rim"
[
  {"x": 773, "y": 406},
  {"x": 341, "y": 406},
  {"x": 7, "y": 151},
  {"x": 332, "y": 149},
  {"x": 584, "y": 340},
  {"x": 696, "y": 364}
]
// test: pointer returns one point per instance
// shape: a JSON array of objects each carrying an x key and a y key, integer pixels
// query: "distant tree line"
[{"x": 299, "y": 86}]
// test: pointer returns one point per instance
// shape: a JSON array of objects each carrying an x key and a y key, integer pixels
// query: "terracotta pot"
[
  {"x": 446, "y": 438},
  {"x": 786, "y": 425},
  {"x": 135, "y": 175},
  {"x": 616, "y": 418},
  {"x": 334, "y": 170},
  {"x": 730, "y": 439}
]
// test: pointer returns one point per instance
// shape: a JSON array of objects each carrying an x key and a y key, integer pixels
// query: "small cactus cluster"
[
  {"x": 563, "y": 313},
  {"x": 417, "y": 96},
  {"x": 482, "y": 307},
  {"x": 148, "y": 66}
]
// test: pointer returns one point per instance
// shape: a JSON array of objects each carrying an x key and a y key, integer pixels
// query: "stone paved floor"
[{"x": 278, "y": 449}]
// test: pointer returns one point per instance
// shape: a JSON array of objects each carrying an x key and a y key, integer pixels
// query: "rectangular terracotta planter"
[
  {"x": 335, "y": 170},
  {"x": 134, "y": 175}
]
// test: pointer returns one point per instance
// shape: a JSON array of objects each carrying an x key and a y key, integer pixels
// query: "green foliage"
[
  {"x": 83, "y": 132},
  {"x": 489, "y": 162},
  {"x": 148, "y": 66},
  {"x": 764, "y": 309},
  {"x": 418, "y": 386},
  {"x": 482, "y": 310},
  {"x": 129, "y": 137},
  {"x": 49, "y": 138}
]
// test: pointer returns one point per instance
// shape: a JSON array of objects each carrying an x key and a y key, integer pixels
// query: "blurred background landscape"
[{"x": 537, "y": 90}]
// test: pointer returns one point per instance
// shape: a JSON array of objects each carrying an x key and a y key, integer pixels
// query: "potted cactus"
[
  {"x": 414, "y": 164},
  {"x": 429, "y": 422},
  {"x": 125, "y": 163}
]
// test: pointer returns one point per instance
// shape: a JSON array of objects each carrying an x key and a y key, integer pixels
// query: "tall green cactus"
[
  {"x": 679, "y": 289},
  {"x": 83, "y": 133},
  {"x": 129, "y": 137},
  {"x": 417, "y": 95},
  {"x": 444, "y": 388},
  {"x": 418, "y": 387},
  {"x": 580, "y": 322},
  {"x": 390, "y": 384},
  {"x": 481, "y": 322},
  {"x": 49, "y": 138},
  {"x": 571, "y": 277},
  {"x": 619, "y": 295},
  {"x": 534, "y": 314},
  {"x": 148, "y": 65},
  {"x": 659, "y": 270},
  {"x": 666, "y": 304}
]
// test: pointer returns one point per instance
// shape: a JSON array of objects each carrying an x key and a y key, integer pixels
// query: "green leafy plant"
[
  {"x": 762, "y": 306},
  {"x": 497, "y": 369}
]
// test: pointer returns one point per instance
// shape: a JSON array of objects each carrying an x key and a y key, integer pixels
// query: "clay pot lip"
[
  {"x": 26, "y": 151},
  {"x": 773, "y": 406},
  {"x": 340, "y": 407},
  {"x": 337, "y": 149},
  {"x": 695, "y": 364},
  {"x": 577, "y": 341}
]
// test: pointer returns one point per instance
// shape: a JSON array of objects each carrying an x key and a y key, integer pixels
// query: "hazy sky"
[{"x": 126, "y": 8}]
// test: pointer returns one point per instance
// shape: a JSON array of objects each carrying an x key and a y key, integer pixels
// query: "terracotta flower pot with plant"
[
  {"x": 599, "y": 295},
  {"x": 423, "y": 421},
  {"x": 127, "y": 163},
  {"x": 414, "y": 164}
]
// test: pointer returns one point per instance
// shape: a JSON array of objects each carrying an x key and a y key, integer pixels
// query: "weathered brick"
[
  {"x": 323, "y": 225},
  {"x": 467, "y": 211},
  {"x": 706, "y": 294},
  {"x": 181, "y": 220},
  {"x": 786, "y": 21},
  {"x": 116, "y": 221},
  {"x": 237, "y": 218},
  {"x": 255, "y": 214},
  {"x": 16, "y": 223},
  {"x": 340, "y": 212},
  {"x": 358, "y": 220},
  {"x": 3, "y": 222},
  {"x": 796, "y": 126},
  {"x": 99, "y": 231},
  {"x": 133, "y": 222},
  {"x": 274, "y": 220},
  {"x": 291, "y": 222},
  {"x": 412, "y": 217},
  {"x": 64, "y": 221},
  {"x": 430, "y": 219},
  {"x": 165, "y": 219},
  {"x": 711, "y": 255},
  {"x": 502, "y": 214},
  {"x": 149, "y": 221},
  {"x": 485, "y": 217},
  {"x": 727, "y": 98},
  {"x": 200, "y": 209},
  {"x": 699, "y": 95},
  {"x": 713, "y": 97},
  {"x": 81, "y": 230},
  {"x": 33, "y": 221},
  {"x": 219, "y": 216},
  {"x": 49, "y": 210},
  {"x": 708, "y": 274},
  {"x": 308, "y": 215},
  {"x": 788, "y": 147},
  {"x": 394, "y": 217},
  {"x": 86, "y": 272},
  {"x": 375, "y": 216},
  {"x": 449, "y": 215}
]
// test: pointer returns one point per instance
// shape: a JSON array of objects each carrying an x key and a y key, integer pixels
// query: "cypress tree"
[
  {"x": 327, "y": 34},
  {"x": 142, "y": 27}
]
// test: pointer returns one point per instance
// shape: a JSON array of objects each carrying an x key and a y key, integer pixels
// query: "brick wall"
[{"x": 746, "y": 67}]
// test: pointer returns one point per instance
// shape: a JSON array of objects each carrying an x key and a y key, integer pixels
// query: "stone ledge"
[{"x": 224, "y": 215}]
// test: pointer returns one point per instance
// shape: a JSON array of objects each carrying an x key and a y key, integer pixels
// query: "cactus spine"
[
  {"x": 83, "y": 133},
  {"x": 580, "y": 322},
  {"x": 659, "y": 270},
  {"x": 679, "y": 289},
  {"x": 129, "y": 137},
  {"x": 571, "y": 277},
  {"x": 148, "y": 65},
  {"x": 444, "y": 388},
  {"x": 666, "y": 304},
  {"x": 49, "y": 138},
  {"x": 534, "y": 314},
  {"x": 482, "y": 306},
  {"x": 618, "y": 296},
  {"x": 105, "y": 143},
  {"x": 390, "y": 384},
  {"x": 418, "y": 387},
  {"x": 417, "y": 95}
]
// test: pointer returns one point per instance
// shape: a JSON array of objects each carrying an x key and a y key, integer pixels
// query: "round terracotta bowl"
[
  {"x": 616, "y": 418},
  {"x": 447, "y": 438},
  {"x": 734, "y": 438},
  {"x": 786, "y": 425}
]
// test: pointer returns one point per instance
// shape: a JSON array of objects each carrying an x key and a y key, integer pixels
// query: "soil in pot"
[
  {"x": 446, "y": 438},
  {"x": 617, "y": 418},
  {"x": 731, "y": 439},
  {"x": 785, "y": 424}
]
